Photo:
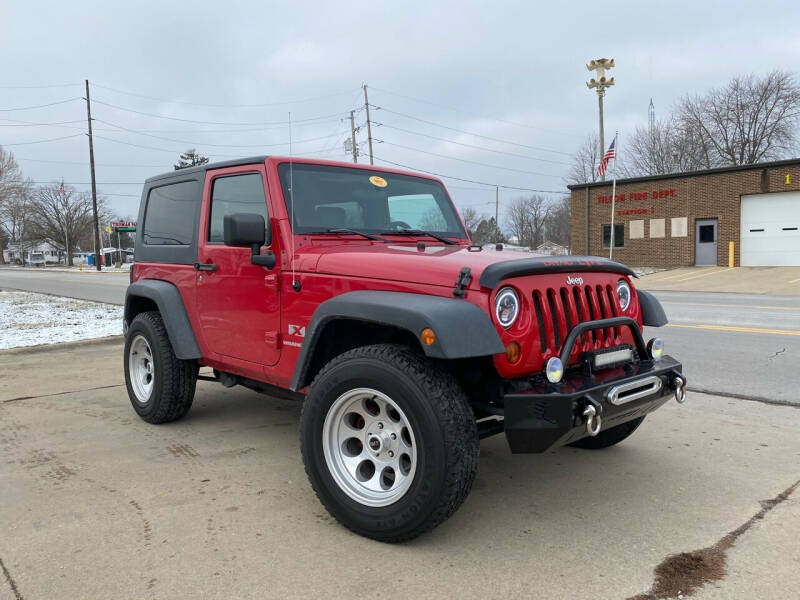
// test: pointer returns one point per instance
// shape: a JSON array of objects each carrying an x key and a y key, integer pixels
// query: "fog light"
[
  {"x": 427, "y": 336},
  {"x": 655, "y": 348},
  {"x": 512, "y": 352},
  {"x": 554, "y": 370}
]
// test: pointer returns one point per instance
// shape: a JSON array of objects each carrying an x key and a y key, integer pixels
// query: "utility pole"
[
  {"x": 496, "y": 203},
  {"x": 353, "y": 135},
  {"x": 600, "y": 83},
  {"x": 98, "y": 247},
  {"x": 369, "y": 124}
]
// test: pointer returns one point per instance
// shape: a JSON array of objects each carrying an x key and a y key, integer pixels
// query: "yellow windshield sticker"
[{"x": 378, "y": 181}]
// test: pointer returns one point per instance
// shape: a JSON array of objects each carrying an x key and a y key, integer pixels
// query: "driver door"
[{"x": 238, "y": 302}]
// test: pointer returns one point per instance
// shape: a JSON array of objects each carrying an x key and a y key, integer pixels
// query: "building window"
[
  {"x": 619, "y": 235},
  {"x": 706, "y": 234}
]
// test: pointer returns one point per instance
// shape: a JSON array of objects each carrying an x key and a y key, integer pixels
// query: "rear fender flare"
[{"x": 170, "y": 304}]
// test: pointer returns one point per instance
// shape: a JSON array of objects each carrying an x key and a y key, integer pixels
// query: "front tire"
[
  {"x": 609, "y": 437},
  {"x": 160, "y": 386},
  {"x": 389, "y": 442}
]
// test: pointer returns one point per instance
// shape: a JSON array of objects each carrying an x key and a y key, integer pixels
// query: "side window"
[
  {"x": 235, "y": 194},
  {"x": 169, "y": 216}
]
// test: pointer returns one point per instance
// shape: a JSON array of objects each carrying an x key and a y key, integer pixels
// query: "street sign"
[{"x": 126, "y": 228}]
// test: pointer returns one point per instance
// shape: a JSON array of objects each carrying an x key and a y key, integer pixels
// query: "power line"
[
  {"x": 169, "y": 118},
  {"x": 486, "y": 137},
  {"x": 38, "y": 87},
  {"x": 20, "y": 123},
  {"x": 385, "y": 91},
  {"x": 555, "y": 162},
  {"x": 263, "y": 105},
  {"x": 471, "y": 162},
  {"x": 195, "y": 143},
  {"x": 505, "y": 187},
  {"x": 40, "y": 105},
  {"x": 66, "y": 137},
  {"x": 82, "y": 163}
]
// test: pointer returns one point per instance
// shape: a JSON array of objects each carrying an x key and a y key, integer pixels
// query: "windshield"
[{"x": 328, "y": 197}]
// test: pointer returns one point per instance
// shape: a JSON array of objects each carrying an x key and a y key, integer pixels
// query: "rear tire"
[
  {"x": 609, "y": 437},
  {"x": 160, "y": 386},
  {"x": 386, "y": 409}
]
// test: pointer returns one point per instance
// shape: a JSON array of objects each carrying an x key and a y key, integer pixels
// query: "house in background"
[{"x": 551, "y": 248}]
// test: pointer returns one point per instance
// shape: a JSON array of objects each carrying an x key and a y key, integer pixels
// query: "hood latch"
[{"x": 464, "y": 277}]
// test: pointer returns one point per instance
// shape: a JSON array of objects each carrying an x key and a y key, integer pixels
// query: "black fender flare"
[
  {"x": 462, "y": 329},
  {"x": 170, "y": 304},
  {"x": 653, "y": 314}
]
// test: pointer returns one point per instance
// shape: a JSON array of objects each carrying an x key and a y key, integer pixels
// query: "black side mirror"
[{"x": 248, "y": 229}]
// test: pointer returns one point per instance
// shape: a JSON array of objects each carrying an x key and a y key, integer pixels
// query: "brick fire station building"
[{"x": 743, "y": 216}]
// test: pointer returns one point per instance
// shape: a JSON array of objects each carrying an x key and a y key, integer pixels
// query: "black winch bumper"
[
  {"x": 546, "y": 416},
  {"x": 539, "y": 415}
]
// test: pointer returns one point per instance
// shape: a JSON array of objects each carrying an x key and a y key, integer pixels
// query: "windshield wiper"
[
  {"x": 369, "y": 236},
  {"x": 419, "y": 232}
]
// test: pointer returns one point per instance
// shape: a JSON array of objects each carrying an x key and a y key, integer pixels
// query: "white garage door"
[{"x": 770, "y": 234}]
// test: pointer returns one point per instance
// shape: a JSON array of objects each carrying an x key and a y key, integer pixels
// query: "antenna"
[{"x": 295, "y": 283}]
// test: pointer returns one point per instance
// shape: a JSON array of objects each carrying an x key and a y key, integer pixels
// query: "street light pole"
[{"x": 600, "y": 83}]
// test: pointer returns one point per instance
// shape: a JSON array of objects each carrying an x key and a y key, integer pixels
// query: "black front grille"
[{"x": 559, "y": 310}]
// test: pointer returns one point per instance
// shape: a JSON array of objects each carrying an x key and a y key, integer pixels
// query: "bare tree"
[
  {"x": 14, "y": 189},
  {"x": 471, "y": 219},
  {"x": 752, "y": 119},
  {"x": 190, "y": 158},
  {"x": 556, "y": 222},
  {"x": 669, "y": 148},
  {"x": 61, "y": 213},
  {"x": 585, "y": 161},
  {"x": 525, "y": 219}
]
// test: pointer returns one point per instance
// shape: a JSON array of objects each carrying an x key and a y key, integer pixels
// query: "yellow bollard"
[{"x": 730, "y": 255}]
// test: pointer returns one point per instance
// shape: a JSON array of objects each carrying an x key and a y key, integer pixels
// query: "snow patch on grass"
[{"x": 28, "y": 319}]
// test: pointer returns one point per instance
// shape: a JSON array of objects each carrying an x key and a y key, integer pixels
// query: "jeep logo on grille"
[{"x": 574, "y": 280}]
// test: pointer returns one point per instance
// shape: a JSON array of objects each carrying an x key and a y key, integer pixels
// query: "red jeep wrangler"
[{"x": 355, "y": 290}]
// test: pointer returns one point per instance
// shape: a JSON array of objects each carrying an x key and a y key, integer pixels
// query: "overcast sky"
[{"x": 510, "y": 71}]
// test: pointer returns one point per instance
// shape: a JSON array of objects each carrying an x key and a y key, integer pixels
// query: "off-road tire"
[
  {"x": 174, "y": 380},
  {"x": 609, "y": 437},
  {"x": 444, "y": 426}
]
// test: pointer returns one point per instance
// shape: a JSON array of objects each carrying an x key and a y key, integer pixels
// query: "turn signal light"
[
  {"x": 512, "y": 352},
  {"x": 427, "y": 336}
]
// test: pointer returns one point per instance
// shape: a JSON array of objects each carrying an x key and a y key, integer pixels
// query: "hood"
[{"x": 440, "y": 265}]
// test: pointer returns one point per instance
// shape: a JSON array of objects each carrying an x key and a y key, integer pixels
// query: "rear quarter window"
[{"x": 169, "y": 216}]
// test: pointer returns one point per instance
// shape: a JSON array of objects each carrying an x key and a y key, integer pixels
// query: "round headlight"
[
  {"x": 506, "y": 306},
  {"x": 554, "y": 370},
  {"x": 624, "y": 294},
  {"x": 656, "y": 348}
]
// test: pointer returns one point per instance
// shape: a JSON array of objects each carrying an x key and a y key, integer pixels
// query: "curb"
[{"x": 109, "y": 340}]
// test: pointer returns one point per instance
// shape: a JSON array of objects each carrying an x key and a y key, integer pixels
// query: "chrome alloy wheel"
[
  {"x": 369, "y": 447},
  {"x": 141, "y": 369}
]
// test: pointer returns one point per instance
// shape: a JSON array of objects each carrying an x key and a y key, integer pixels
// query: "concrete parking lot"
[{"x": 95, "y": 503}]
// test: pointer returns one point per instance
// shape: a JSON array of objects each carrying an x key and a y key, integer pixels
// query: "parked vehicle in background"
[
  {"x": 356, "y": 290},
  {"x": 36, "y": 259}
]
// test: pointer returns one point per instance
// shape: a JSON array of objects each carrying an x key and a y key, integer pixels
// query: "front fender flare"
[
  {"x": 173, "y": 312},
  {"x": 653, "y": 314},
  {"x": 462, "y": 329}
]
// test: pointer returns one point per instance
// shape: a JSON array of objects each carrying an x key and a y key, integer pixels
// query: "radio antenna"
[{"x": 295, "y": 282}]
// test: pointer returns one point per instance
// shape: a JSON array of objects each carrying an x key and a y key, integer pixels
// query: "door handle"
[{"x": 205, "y": 267}]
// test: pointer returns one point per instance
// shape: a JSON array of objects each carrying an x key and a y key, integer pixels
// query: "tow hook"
[
  {"x": 680, "y": 389},
  {"x": 593, "y": 419}
]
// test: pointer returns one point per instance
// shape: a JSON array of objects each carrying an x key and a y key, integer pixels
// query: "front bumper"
[{"x": 539, "y": 415}]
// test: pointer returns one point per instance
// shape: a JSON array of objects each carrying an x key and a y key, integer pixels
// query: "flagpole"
[{"x": 613, "y": 195}]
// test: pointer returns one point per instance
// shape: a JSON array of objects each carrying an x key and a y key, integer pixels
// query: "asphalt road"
[
  {"x": 89, "y": 285},
  {"x": 95, "y": 503},
  {"x": 734, "y": 344}
]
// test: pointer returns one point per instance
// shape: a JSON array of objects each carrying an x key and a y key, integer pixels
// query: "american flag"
[{"x": 610, "y": 153}]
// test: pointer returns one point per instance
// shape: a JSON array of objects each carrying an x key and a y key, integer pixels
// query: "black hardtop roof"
[{"x": 236, "y": 162}]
